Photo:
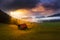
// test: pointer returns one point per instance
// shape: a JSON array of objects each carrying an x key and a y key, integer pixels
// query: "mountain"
[
  {"x": 58, "y": 14},
  {"x": 55, "y": 15},
  {"x": 4, "y": 18}
]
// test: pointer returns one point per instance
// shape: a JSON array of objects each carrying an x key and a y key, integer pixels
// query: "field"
[{"x": 37, "y": 31}]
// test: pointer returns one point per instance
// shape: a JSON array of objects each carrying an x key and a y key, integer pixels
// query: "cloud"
[
  {"x": 17, "y": 4},
  {"x": 52, "y": 4}
]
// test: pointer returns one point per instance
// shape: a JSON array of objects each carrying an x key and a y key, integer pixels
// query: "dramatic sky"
[
  {"x": 16, "y": 4},
  {"x": 44, "y": 5},
  {"x": 38, "y": 8}
]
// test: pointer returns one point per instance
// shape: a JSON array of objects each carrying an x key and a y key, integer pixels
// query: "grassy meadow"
[{"x": 37, "y": 31}]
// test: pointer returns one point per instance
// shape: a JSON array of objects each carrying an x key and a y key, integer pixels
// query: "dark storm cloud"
[
  {"x": 17, "y": 4},
  {"x": 51, "y": 4},
  {"x": 57, "y": 4}
]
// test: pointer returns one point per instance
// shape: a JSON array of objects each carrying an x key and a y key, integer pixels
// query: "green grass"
[{"x": 42, "y": 31}]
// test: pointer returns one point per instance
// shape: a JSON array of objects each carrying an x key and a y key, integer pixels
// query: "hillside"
[
  {"x": 4, "y": 18},
  {"x": 58, "y": 14}
]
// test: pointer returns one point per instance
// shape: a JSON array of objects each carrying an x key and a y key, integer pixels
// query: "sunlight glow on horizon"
[
  {"x": 22, "y": 14},
  {"x": 19, "y": 13}
]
